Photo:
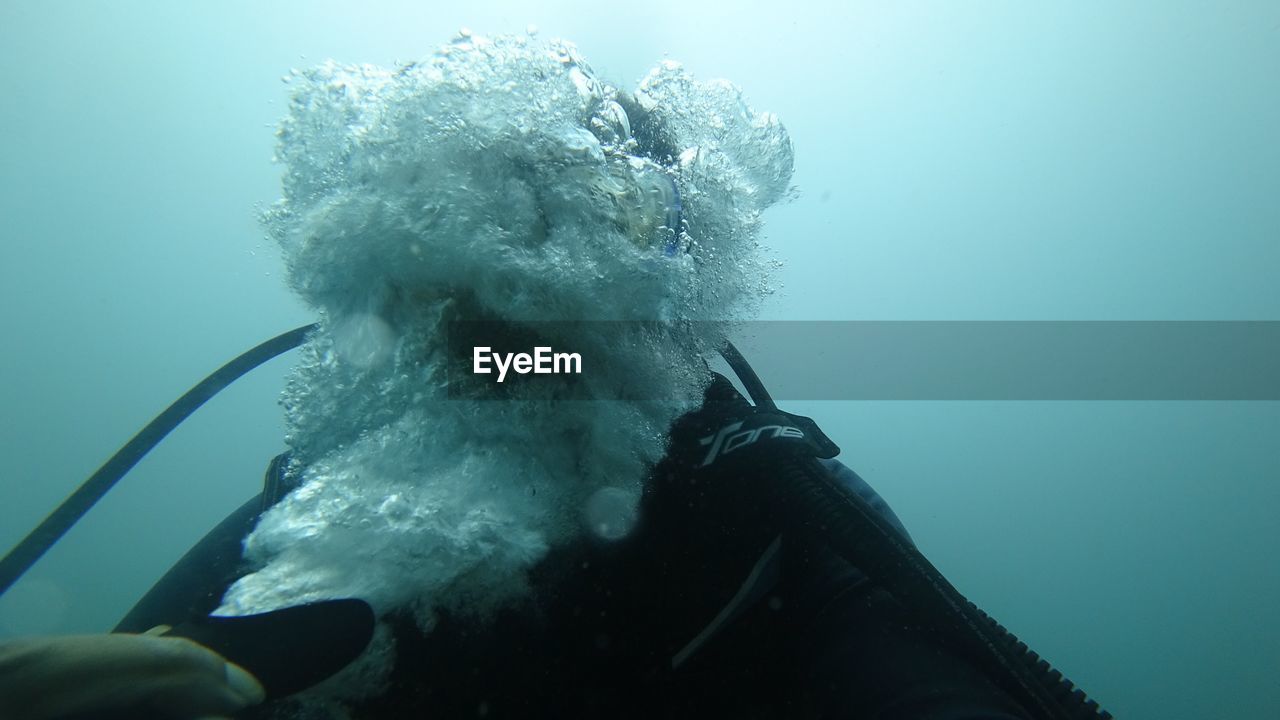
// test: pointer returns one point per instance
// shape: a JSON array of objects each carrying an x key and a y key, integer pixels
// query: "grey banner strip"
[
  {"x": 919, "y": 360},
  {"x": 1016, "y": 360}
]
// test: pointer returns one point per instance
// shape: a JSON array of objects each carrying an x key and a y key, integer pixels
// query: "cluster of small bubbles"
[{"x": 491, "y": 181}]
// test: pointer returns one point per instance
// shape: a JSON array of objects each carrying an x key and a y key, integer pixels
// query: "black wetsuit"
[
  {"x": 704, "y": 611},
  {"x": 649, "y": 627}
]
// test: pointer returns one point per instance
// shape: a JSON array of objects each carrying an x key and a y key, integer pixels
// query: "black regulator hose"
[
  {"x": 38, "y": 541},
  {"x": 747, "y": 376},
  {"x": 855, "y": 531}
]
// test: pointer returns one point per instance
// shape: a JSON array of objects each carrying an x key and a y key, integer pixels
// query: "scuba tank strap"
[
  {"x": 727, "y": 445},
  {"x": 728, "y": 428}
]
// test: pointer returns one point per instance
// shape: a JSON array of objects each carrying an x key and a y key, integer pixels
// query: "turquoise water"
[{"x": 996, "y": 161}]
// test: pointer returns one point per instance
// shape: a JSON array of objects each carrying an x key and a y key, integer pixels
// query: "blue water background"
[{"x": 977, "y": 160}]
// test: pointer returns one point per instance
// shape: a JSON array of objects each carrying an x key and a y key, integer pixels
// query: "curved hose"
[
  {"x": 38, "y": 541},
  {"x": 747, "y": 375}
]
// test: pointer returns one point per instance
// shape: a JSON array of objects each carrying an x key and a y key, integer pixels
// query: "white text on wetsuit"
[
  {"x": 542, "y": 362},
  {"x": 729, "y": 439}
]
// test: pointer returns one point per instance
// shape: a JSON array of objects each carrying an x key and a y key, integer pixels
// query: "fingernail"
[{"x": 245, "y": 685}]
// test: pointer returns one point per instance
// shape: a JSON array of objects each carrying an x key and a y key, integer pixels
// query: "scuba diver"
[
  {"x": 633, "y": 628},
  {"x": 436, "y": 544}
]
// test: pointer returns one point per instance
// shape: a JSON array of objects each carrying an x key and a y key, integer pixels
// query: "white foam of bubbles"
[{"x": 463, "y": 186}]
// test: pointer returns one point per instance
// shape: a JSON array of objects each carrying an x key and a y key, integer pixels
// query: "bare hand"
[{"x": 47, "y": 678}]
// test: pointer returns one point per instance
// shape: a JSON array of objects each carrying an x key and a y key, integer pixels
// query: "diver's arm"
[
  {"x": 48, "y": 678},
  {"x": 864, "y": 649},
  {"x": 860, "y": 648},
  {"x": 852, "y": 480}
]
